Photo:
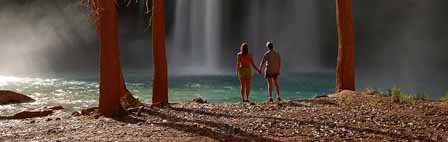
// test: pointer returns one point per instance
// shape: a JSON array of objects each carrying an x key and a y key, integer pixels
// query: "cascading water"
[
  {"x": 196, "y": 38},
  {"x": 203, "y": 28},
  {"x": 212, "y": 32}
]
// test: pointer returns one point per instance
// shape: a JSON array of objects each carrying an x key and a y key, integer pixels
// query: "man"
[{"x": 272, "y": 61}]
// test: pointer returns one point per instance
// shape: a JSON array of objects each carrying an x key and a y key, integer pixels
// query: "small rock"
[
  {"x": 96, "y": 116},
  {"x": 58, "y": 118},
  {"x": 48, "y": 119},
  {"x": 320, "y": 96},
  {"x": 76, "y": 114},
  {"x": 51, "y": 131},
  {"x": 88, "y": 110},
  {"x": 199, "y": 101},
  {"x": 140, "y": 123},
  {"x": 56, "y": 108}
]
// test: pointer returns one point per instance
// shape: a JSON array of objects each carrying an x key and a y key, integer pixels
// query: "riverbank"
[{"x": 343, "y": 117}]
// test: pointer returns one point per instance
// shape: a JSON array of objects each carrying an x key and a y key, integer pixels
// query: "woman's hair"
[{"x": 244, "y": 49}]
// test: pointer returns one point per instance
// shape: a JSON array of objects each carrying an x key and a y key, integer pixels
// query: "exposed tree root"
[{"x": 32, "y": 114}]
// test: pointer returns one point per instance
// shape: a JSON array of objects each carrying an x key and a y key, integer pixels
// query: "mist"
[
  {"x": 42, "y": 36},
  {"x": 402, "y": 43}
]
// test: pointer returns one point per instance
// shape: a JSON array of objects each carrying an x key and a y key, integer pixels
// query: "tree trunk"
[
  {"x": 160, "y": 76},
  {"x": 112, "y": 86},
  {"x": 345, "y": 70}
]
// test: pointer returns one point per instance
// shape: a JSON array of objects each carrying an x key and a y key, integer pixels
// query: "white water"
[
  {"x": 212, "y": 38},
  {"x": 196, "y": 40}
]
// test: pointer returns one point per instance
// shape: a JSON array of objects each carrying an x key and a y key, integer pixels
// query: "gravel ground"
[{"x": 348, "y": 117}]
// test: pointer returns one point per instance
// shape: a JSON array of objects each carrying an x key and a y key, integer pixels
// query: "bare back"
[{"x": 244, "y": 60}]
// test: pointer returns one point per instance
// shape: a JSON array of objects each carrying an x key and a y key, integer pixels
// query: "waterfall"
[
  {"x": 212, "y": 34},
  {"x": 196, "y": 38},
  {"x": 205, "y": 41}
]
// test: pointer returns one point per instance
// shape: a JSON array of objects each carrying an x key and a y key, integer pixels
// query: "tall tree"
[
  {"x": 160, "y": 76},
  {"x": 345, "y": 69},
  {"x": 112, "y": 86}
]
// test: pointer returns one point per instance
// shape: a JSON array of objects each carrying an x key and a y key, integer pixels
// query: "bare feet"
[{"x": 278, "y": 99}]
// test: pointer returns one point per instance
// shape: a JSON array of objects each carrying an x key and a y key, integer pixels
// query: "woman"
[{"x": 244, "y": 70}]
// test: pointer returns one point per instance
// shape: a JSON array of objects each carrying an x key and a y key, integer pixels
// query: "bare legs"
[
  {"x": 277, "y": 88},
  {"x": 270, "y": 88},
  {"x": 245, "y": 89},
  {"x": 273, "y": 81},
  {"x": 242, "y": 88}
]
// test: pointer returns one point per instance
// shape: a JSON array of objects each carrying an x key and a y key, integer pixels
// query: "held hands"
[{"x": 259, "y": 71}]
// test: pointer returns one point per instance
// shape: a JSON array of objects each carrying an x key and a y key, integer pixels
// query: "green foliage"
[
  {"x": 375, "y": 91},
  {"x": 422, "y": 97},
  {"x": 445, "y": 97},
  {"x": 396, "y": 93}
]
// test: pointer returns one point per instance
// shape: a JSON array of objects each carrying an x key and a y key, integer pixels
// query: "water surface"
[{"x": 82, "y": 91}]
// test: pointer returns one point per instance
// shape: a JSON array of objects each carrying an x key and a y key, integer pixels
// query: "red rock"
[
  {"x": 88, "y": 110},
  {"x": 10, "y": 97},
  {"x": 199, "y": 101}
]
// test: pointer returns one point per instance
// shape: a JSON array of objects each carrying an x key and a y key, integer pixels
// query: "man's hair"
[
  {"x": 244, "y": 49},
  {"x": 269, "y": 45}
]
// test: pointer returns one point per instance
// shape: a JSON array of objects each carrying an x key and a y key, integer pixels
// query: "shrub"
[
  {"x": 375, "y": 91},
  {"x": 395, "y": 93},
  {"x": 445, "y": 97},
  {"x": 422, "y": 97},
  {"x": 398, "y": 95}
]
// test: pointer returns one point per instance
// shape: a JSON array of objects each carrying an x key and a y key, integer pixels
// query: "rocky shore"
[{"x": 348, "y": 116}]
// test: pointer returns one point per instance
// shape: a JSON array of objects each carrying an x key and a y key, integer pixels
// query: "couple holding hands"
[{"x": 245, "y": 62}]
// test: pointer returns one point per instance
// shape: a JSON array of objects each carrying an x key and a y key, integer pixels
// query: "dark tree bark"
[
  {"x": 345, "y": 69},
  {"x": 160, "y": 76},
  {"x": 112, "y": 86}
]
